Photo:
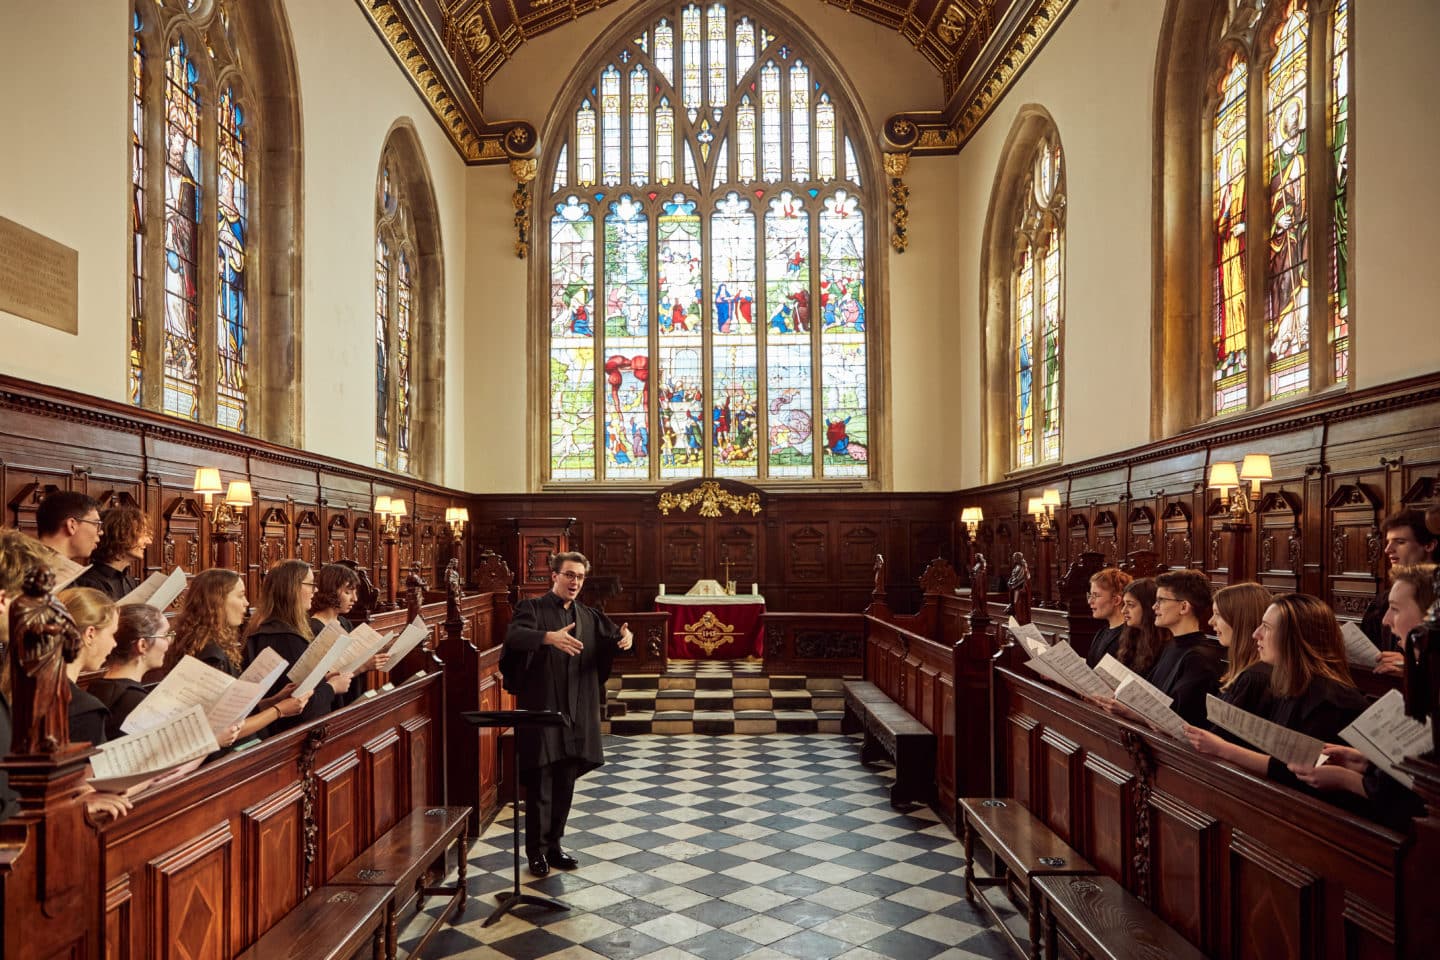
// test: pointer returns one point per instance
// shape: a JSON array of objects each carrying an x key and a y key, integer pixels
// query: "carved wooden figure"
[
  {"x": 43, "y": 640},
  {"x": 1019, "y": 587}
]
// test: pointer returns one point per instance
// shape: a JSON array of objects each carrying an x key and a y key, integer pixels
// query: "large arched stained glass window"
[
  {"x": 395, "y": 258},
  {"x": 706, "y": 262},
  {"x": 1035, "y": 344},
  {"x": 1279, "y": 328}
]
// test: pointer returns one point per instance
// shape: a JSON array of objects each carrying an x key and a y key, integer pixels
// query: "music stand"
[{"x": 509, "y": 899}]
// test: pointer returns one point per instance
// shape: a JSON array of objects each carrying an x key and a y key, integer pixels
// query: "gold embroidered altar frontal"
[{"x": 709, "y": 634}]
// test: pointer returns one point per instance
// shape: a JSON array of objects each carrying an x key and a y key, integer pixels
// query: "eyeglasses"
[
  {"x": 98, "y": 524},
  {"x": 307, "y": 583},
  {"x": 1159, "y": 600},
  {"x": 161, "y": 636},
  {"x": 572, "y": 575},
  {"x": 1092, "y": 595}
]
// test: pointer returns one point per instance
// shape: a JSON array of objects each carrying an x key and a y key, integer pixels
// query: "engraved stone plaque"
[{"x": 39, "y": 278}]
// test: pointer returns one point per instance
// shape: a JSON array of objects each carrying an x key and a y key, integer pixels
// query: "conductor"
[{"x": 562, "y": 651}]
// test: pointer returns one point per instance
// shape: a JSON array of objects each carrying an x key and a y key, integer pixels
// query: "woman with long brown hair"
[
  {"x": 1141, "y": 641},
  {"x": 282, "y": 623},
  {"x": 1310, "y": 683},
  {"x": 1239, "y": 608}
]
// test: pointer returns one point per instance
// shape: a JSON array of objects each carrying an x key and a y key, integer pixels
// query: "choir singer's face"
[
  {"x": 1404, "y": 613},
  {"x": 567, "y": 581},
  {"x": 236, "y": 603},
  {"x": 1265, "y": 634}
]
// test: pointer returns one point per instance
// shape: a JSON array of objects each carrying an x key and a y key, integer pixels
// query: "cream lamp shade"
[
  {"x": 972, "y": 515},
  {"x": 1036, "y": 506},
  {"x": 1256, "y": 467},
  {"x": 239, "y": 494},
  {"x": 207, "y": 480},
  {"x": 457, "y": 514},
  {"x": 397, "y": 507},
  {"x": 1051, "y": 498},
  {"x": 1222, "y": 476},
  {"x": 384, "y": 506}
]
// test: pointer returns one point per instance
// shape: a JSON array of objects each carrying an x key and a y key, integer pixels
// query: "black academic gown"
[
  {"x": 115, "y": 584},
  {"x": 557, "y": 681},
  {"x": 282, "y": 638},
  {"x": 88, "y": 717},
  {"x": 1188, "y": 668},
  {"x": 1106, "y": 641},
  {"x": 9, "y": 799},
  {"x": 358, "y": 684},
  {"x": 213, "y": 656},
  {"x": 120, "y": 696}
]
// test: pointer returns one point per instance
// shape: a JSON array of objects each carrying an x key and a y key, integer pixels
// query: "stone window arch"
[
  {"x": 215, "y": 206},
  {"x": 1023, "y": 300},
  {"x": 409, "y": 316}
]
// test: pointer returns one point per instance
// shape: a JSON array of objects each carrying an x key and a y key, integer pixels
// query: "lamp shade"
[
  {"x": 397, "y": 507},
  {"x": 207, "y": 480},
  {"x": 462, "y": 514},
  {"x": 1051, "y": 498},
  {"x": 239, "y": 494},
  {"x": 972, "y": 515},
  {"x": 1256, "y": 467},
  {"x": 1036, "y": 506},
  {"x": 384, "y": 506},
  {"x": 1222, "y": 475}
]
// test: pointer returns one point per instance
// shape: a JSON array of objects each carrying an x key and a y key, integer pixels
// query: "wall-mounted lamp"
[
  {"x": 972, "y": 517},
  {"x": 457, "y": 517},
  {"x": 1042, "y": 508},
  {"x": 390, "y": 510},
  {"x": 1225, "y": 478},
  {"x": 227, "y": 511}
]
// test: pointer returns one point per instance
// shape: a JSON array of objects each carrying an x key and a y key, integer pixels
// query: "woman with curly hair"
[
  {"x": 124, "y": 537},
  {"x": 336, "y": 586}
]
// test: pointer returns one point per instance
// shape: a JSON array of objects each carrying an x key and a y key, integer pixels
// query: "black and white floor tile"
[{"x": 721, "y": 848}]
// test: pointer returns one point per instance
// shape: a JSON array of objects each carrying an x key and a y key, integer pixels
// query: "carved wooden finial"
[
  {"x": 43, "y": 638},
  {"x": 939, "y": 578}
]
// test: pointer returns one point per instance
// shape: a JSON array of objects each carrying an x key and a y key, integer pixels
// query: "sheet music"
[
  {"x": 1358, "y": 648},
  {"x": 66, "y": 571},
  {"x": 407, "y": 641},
  {"x": 182, "y": 738},
  {"x": 1286, "y": 745},
  {"x": 1137, "y": 697},
  {"x": 1030, "y": 637},
  {"x": 1071, "y": 668},
  {"x": 1112, "y": 671},
  {"x": 1387, "y": 736},
  {"x": 189, "y": 683},
  {"x": 318, "y": 660},
  {"x": 265, "y": 668},
  {"x": 159, "y": 590},
  {"x": 235, "y": 704},
  {"x": 1048, "y": 672},
  {"x": 365, "y": 642}
]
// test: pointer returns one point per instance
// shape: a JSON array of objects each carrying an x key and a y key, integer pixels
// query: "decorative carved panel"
[
  {"x": 1179, "y": 549},
  {"x": 1141, "y": 527},
  {"x": 382, "y": 781},
  {"x": 180, "y": 539},
  {"x": 613, "y": 551},
  {"x": 858, "y": 546},
  {"x": 274, "y": 538},
  {"x": 1106, "y": 541},
  {"x": 307, "y": 538},
  {"x": 339, "y": 814},
  {"x": 805, "y": 556},
  {"x": 740, "y": 544},
  {"x": 271, "y": 834},
  {"x": 190, "y": 886},
  {"x": 1274, "y": 901},
  {"x": 682, "y": 553},
  {"x": 362, "y": 552},
  {"x": 337, "y": 538}
]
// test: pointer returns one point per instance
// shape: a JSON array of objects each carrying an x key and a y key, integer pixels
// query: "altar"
[{"x": 724, "y": 627}]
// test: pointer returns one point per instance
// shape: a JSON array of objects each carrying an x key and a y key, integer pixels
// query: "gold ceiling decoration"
[{"x": 711, "y": 498}]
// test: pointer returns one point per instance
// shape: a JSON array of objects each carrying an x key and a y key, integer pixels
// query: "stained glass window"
[
  {"x": 1269, "y": 65},
  {"x": 1340, "y": 208},
  {"x": 190, "y": 355},
  {"x": 233, "y": 334},
  {"x": 138, "y": 175},
  {"x": 397, "y": 289},
  {"x": 733, "y": 340},
  {"x": 1037, "y": 286},
  {"x": 182, "y": 229}
]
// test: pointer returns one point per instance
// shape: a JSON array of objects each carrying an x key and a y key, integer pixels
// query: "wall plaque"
[{"x": 39, "y": 278}]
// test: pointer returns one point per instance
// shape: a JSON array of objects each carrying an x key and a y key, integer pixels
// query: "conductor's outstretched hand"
[
  {"x": 564, "y": 641},
  {"x": 626, "y": 637}
]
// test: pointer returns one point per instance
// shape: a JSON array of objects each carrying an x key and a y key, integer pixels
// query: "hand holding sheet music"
[
  {"x": 189, "y": 683},
  {"x": 1387, "y": 736},
  {"x": 319, "y": 659},
  {"x": 1286, "y": 745},
  {"x": 122, "y": 763},
  {"x": 1070, "y": 669},
  {"x": 407, "y": 641},
  {"x": 1136, "y": 694},
  {"x": 159, "y": 590},
  {"x": 1358, "y": 648}
]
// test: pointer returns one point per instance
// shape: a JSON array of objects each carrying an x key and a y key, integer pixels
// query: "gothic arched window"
[
  {"x": 408, "y": 320},
  {"x": 1279, "y": 327},
  {"x": 706, "y": 261},
  {"x": 198, "y": 160},
  {"x": 1036, "y": 314}
]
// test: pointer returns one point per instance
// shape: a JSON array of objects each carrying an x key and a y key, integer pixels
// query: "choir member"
[
  {"x": 96, "y": 617},
  {"x": 1190, "y": 664},
  {"x": 1310, "y": 686},
  {"x": 282, "y": 623},
  {"x": 142, "y": 636},
  {"x": 1140, "y": 640},
  {"x": 69, "y": 524},
  {"x": 336, "y": 587},
  {"x": 1107, "y": 603},
  {"x": 1408, "y": 541},
  {"x": 1412, "y": 591},
  {"x": 125, "y": 536},
  {"x": 1239, "y": 609}
]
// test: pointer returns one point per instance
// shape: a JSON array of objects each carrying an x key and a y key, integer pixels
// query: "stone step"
[
  {"x": 721, "y": 697},
  {"x": 723, "y": 722}
]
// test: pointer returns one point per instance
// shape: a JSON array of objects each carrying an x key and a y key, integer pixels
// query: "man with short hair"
[
  {"x": 1190, "y": 664},
  {"x": 566, "y": 648},
  {"x": 69, "y": 523},
  {"x": 1408, "y": 541}
]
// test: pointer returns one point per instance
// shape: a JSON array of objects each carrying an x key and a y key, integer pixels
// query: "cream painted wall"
[
  {"x": 64, "y": 172},
  {"x": 889, "y": 77}
]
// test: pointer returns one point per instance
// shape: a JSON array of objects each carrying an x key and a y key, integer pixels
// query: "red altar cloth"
[{"x": 714, "y": 628}]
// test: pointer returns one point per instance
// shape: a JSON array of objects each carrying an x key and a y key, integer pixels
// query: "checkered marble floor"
[{"x": 757, "y": 847}]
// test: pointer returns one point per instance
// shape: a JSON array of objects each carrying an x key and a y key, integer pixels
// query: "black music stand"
[{"x": 510, "y": 899}]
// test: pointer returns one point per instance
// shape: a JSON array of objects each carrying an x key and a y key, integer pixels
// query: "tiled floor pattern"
[
  {"x": 719, "y": 697},
  {"x": 755, "y": 847}
]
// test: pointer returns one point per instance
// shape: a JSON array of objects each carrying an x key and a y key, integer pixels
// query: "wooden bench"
[
  {"x": 1099, "y": 919},
  {"x": 1024, "y": 848},
  {"x": 891, "y": 732},
  {"x": 399, "y": 861},
  {"x": 333, "y": 923}
]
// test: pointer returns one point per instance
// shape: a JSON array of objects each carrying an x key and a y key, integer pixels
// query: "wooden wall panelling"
[
  {"x": 191, "y": 886},
  {"x": 1219, "y": 541},
  {"x": 682, "y": 552},
  {"x": 274, "y": 534},
  {"x": 380, "y": 785},
  {"x": 272, "y": 843},
  {"x": 337, "y": 535},
  {"x": 341, "y": 814},
  {"x": 1110, "y": 794},
  {"x": 806, "y": 563},
  {"x": 1177, "y": 547},
  {"x": 615, "y": 557},
  {"x": 1184, "y": 870},
  {"x": 307, "y": 545},
  {"x": 1274, "y": 903},
  {"x": 1281, "y": 540},
  {"x": 343, "y": 501},
  {"x": 738, "y": 541},
  {"x": 1142, "y": 532},
  {"x": 1063, "y": 796},
  {"x": 1109, "y": 533},
  {"x": 1353, "y": 515}
]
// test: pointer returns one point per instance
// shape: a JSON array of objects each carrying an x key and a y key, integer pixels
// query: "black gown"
[
  {"x": 1189, "y": 667},
  {"x": 1106, "y": 641}
]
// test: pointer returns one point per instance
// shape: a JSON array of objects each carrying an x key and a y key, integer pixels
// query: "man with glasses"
[
  {"x": 1190, "y": 664},
  {"x": 565, "y": 650},
  {"x": 69, "y": 524}
]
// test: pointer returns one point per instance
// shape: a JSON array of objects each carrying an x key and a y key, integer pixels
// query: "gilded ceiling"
[{"x": 451, "y": 48}]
